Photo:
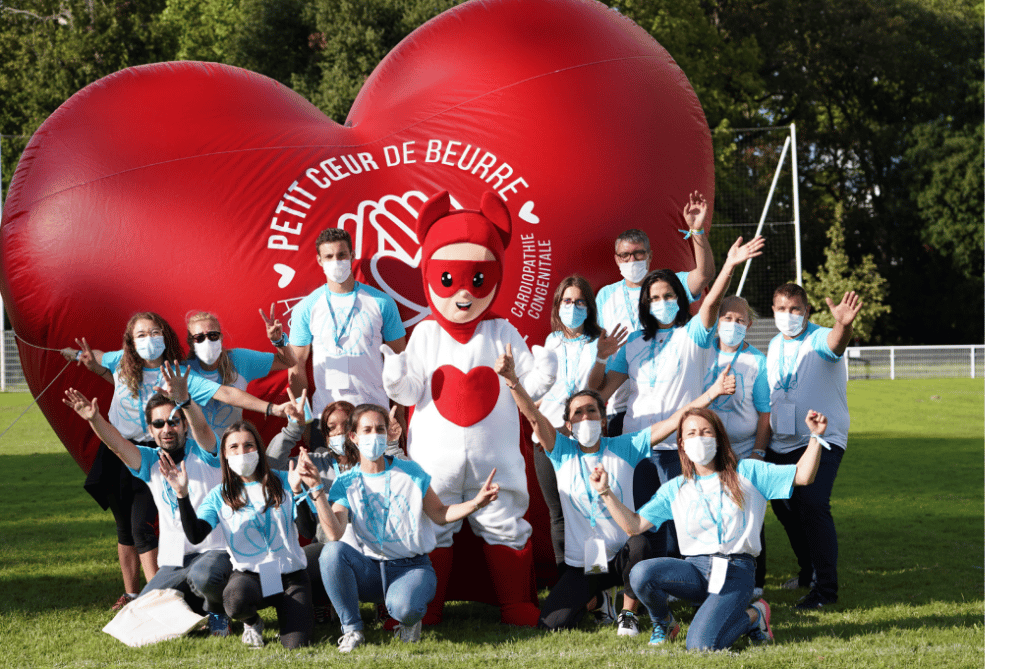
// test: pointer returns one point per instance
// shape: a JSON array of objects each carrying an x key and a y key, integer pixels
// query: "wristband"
[
  {"x": 270, "y": 407},
  {"x": 605, "y": 491},
  {"x": 317, "y": 488},
  {"x": 761, "y": 453},
  {"x": 396, "y": 442},
  {"x": 514, "y": 385},
  {"x": 283, "y": 341},
  {"x": 602, "y": 361},
  {"x": 824, "y": 444},
  {"x": 688, "y": 233},
  {"x": 78, "y": 356}
]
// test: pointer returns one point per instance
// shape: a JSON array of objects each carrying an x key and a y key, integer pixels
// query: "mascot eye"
[
  {"x": 478, "y": 279},
  {"x": 446, "y": 280}
]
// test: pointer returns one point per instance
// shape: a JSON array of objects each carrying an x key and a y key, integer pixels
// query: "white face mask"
[
  {"x": 207, "y": 351},
  {"x": 372, "y": 446},
  {"x": 244, "y": 464},
  {"x": 587, "y": 432},
  {"x": 149, "y": 348},
  {"x": 633, "y": 271},
  {"x": 665, "y": 311},
  {"x": 789, "y": 324},
  {"x": 337, "y": 444},
  {"x": 732, "y": 333},
  {"x": 338, "y": 271},
  {"x": 700, "y": 449}
]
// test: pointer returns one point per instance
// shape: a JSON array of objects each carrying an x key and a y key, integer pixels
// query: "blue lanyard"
[
  {"x": 707, "y": 506},
  {"x": 348, "y": 319},
  {"x": 264, "y": 525},
  {"x": 716, "y": 370},
  {"x": 654, "y": 349},
  {"x": 586, "y": 481},
  {"x": 569, "y": 372},
  {"x": 371, "y": 515},
  {"x": 632, "y": 311},
  {"x": 786, "y": 377}
]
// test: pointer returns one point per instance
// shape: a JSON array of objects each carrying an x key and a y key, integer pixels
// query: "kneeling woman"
[
  {"x": 718, "y": 506},
  {"x": 257, "y": 507},
  {"x": 389, "y": 502}
]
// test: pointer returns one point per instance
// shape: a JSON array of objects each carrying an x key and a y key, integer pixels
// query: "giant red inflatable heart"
[{"x": 181, "y": 186}]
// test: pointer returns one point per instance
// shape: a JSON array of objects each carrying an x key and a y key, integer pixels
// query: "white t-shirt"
[
  {"x": 386, "y": 510},
  {"x": 254, "y": 536},
  {"x": 804, "y": 374},
  {"x": 346, "y": 331},
  {"x": 203, "y": 469},
  {"x": 249, "y": 365},
  {"x": 666, "y": 372},
  {"x": 128, "y": 413},
  {"x": 708, "y": 521},
  {"x": 575, "y": 359},
  {"x": 739, "y": 412},
  {"x": 580, "y": 504},
  {"x": 618, "y": 304}
]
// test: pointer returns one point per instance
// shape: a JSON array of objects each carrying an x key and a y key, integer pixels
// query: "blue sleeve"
[
  {"x": 632, "y": 447},
  {"x": 393, "y": 328},
  {"x": 338, "y": 493},
  {"x": 415, "y": 472},
  {"x": 299, "y": 333},
  {"x": 111, "y": 359},
  {"x": 251, "y": 364},
  {"x": 659, "y": 508},
  {"x": 618, "y": 363},
  {"x": 772, "y": 481},
  {"x": 700, "y": 335},
  {"x": 209, "y": 510},
  {"x": 202, "y": 390},
  {"x": 149, "y": 457},
  {"x": 819, "y": 341},
  {"x": 602, "y": 297},
  {"x": 563, "y": 450},
  {"x": 762, "y": 393},
  {"x": 206, "y": 456},
  {"x": 683, "y": 279}
]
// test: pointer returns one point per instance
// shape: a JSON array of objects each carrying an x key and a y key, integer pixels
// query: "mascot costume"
[{"x": 465, "y": 423}]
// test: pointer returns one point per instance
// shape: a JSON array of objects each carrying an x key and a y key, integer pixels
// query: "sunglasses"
[
  {"x": 202, "y": 336},
  {"x": 160, "y": 422}
]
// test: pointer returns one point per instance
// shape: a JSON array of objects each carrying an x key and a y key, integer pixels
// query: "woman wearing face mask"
[
  {"x": 257, "y": 506},
  {"x": 389, "y": 503},
  {"x": 665, "y": 361},
  {"x": 718, "y": 505},
  {"x": 148, "y": 342},
  {"x": 234, "y": 367},
  {"x": 598, "y": 554}
]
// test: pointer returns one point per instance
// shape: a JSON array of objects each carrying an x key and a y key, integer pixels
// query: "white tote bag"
[{"x": 156, "y": 616}]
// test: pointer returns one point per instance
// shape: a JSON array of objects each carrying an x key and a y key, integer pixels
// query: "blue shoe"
[
  {"x": 663, "y": 632},
  {"x": 762, "y": 634},
  {"x": 220, "y": 625}
]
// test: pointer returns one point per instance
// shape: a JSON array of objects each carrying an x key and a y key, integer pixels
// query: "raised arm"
[
  {"x": 739, "y": 253},
  {"x": 284, "y": 358},
  {"x": 108, "y": 434},
  {"x": 195, "y": 529},
  {"x": 845, "y": 312},
  {"x": 807, "y": 465},
  {"x": 297, "y": 379},
  {"x": 442, "y": 514},
  {"x": 725, "y": 384},
  {"x": 89, "y": 357},
  {"x": 505, "y": 367},
  {"x": 695, "y": 214},
  {"x": 177, "y": 391},
  {"x": 242, "y": 399},
  {"x": 630, "y": 522},
  {"x": 600, "y": 379}
]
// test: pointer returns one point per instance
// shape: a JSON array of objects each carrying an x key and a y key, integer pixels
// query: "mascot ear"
[
  {"x": 437, "y": 206},
  {"x": 493, "y": 207}
]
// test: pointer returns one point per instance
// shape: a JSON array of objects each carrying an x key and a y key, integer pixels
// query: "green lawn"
[{"x": 908, "y": 503}]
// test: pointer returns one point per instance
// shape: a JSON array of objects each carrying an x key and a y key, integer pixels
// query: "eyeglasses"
[
  {"x": 202, "y": 336},
  {"x": 639, "y": 254},
  {"x": 579, "y": 303},
  {"x": 160, "y": 422},
  {"x": 156, "y": 332}
]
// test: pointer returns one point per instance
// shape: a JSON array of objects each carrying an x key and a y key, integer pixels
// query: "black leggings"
[
  {"x": 128, "y": 499},
  {"x": 243, "y": 598}
]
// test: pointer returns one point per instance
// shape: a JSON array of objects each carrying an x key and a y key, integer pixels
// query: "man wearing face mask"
[
  {"x": 618, "y": 303},
  {"x": 805, "y": 368},
  {"x": 344, "y": 322},
  {"x": 199, "y": 571}
]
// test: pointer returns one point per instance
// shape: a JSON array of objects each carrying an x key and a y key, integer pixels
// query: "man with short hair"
[
  {"x": 344, "y": 322},
  {"x": 806, "y": 371},
  {"x": 618, "y": 303},
  {"x": 196, "y": 570}
]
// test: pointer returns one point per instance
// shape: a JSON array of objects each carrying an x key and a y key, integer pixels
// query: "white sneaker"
[
  {"x": 349, "y": 641},
  {"x": 410, "y": 634},
  {"x": 628, "y": 624},
  {"x": 252, "y": 635},
  {"x": 604, "y": 614}
]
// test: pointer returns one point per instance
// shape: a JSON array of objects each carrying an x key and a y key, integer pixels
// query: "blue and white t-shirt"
[
  {"x": 618, "y": 304},
  {"x": 580, "y": 504},
  {"x": 739, "y": 412},
  {"x": 346, "y": 331},
  {"x": 128, "y": 413},
  {"x": 203, "y": 469},
  {"x": 708, "y": 521},
  {"x": 575, "y": 359},
  {"x": 666, "y": 372},
  {"x": 254, "y": 536},
  {"x": 804, "y": 374},
  {"x": 386, "y": 509},
  {"x": 249, "y": 365}
]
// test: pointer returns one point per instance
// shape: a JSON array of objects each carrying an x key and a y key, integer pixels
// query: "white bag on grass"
[{"x": 156, "y": 616}]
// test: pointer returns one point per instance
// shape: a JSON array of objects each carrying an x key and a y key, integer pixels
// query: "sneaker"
[
  {"x": 813, "y": 600},
  {"x": 322, "y": 614},
  {"x": 409, "y": 634},
  {"x": 628, "y": 624},
  {"x": 757, "y": 594},
  {"x": 604, "y": 614},
  {"x": 794, "y": 584},
  {"x": 252, "y": 635},
  {"x": 122, "y": 600},
  {"x": 663, "y": 632},
  {"x": 349, "y": 641},
  {"x": 762, "y": 634},
  {"x": 220, "y": 625}
]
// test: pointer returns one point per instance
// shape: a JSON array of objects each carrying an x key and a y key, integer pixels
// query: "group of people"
[{"x": 621, "y": 374}]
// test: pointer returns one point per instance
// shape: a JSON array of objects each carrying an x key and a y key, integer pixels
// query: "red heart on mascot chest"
[
  {"x": 185, "y": 186},
  {"x": 464, "y": 398}
]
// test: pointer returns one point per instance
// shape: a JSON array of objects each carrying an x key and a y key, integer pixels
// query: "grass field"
[{"x": 908, "y": 504}]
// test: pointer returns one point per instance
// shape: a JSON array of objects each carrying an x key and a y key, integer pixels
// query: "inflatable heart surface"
[{"x": 182, "y": 186}]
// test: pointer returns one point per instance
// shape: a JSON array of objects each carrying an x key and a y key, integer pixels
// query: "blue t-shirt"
[{"x": 249, "y": 365}]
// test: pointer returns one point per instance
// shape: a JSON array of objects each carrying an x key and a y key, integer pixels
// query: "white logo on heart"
[
  {"x": 286, "y": 272},
  {"x": 526, "y": 213}
]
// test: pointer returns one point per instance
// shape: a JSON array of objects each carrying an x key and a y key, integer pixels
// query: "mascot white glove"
[{"x": 541, "y": 377}]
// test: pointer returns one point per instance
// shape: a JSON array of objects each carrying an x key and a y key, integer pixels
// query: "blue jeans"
[
  {"x": 350, "y": 577},
  {"x": 722, "y": 617},
  {"x": 201, "y": 574}
]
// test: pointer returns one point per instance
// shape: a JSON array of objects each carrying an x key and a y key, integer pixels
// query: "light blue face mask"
[
  {"x": 665, "y": 310},
  {"x": 149, "y": 348},
  {"x": 372, "y": 446},
  {"x": 572, "y": 316},
  {"x": 732, "y": 333}
]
